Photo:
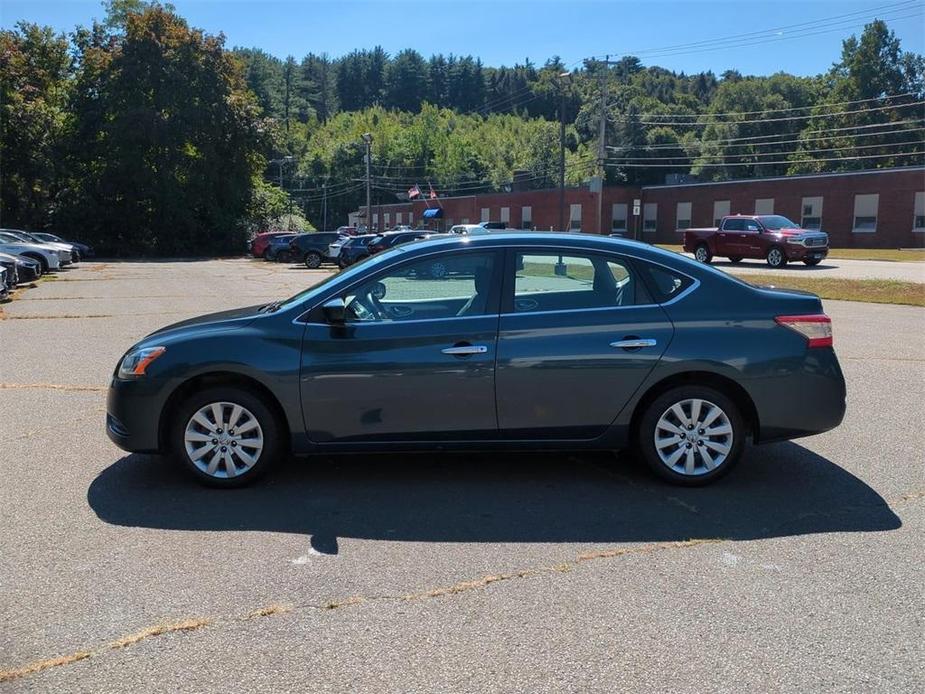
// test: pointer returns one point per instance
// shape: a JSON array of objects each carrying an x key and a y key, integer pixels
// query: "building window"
[
  {"x": 812, "y": 213},
  {"x": 398, "y": 217},
  {"x": 464, "y": 220},
  {"x": 376, "y": 221},
  {"x": 618, "y": 216},
  {"x": 526, "y": 217},
  {"x": 386, "y": 219},
  {"x": 506, "y": 215},
  {"x": 721, "y": 209},
  {"x": 865, "y": 213},
  {"x": 486, "y": 215},
  {"x": 650, "y": 216},
  {"x": 411, "y": 219},
  {"x": 574, "y": 217},
  {"x": 918, "y": 221},
  {"x": 764, "y": 206},
  {"x": 683, "y": 217}
]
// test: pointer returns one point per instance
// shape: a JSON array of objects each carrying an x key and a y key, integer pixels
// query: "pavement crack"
[{"x": 52, "y": 386}]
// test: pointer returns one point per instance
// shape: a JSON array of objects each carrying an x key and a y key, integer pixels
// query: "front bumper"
[
  {"x": 133, "y": 410},
  {"x": 800, "y": 252}
]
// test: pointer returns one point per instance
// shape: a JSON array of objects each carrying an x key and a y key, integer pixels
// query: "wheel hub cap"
[
  {"x": 223, "y": 439},
  {"x": 693, "y": 437}
]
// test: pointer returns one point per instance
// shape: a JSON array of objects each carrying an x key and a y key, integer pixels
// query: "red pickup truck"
[{"x": 769, "y": 236}]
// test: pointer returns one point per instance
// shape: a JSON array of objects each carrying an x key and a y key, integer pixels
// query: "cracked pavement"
[{"x": 801, "y": 571}]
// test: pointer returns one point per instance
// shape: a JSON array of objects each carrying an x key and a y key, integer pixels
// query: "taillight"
[{"x": 816, "y": 328}]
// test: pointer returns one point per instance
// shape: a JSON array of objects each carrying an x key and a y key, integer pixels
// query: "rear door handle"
[
  {"x": 465, "y": 350},
  {"x": 634, "y": 343}
]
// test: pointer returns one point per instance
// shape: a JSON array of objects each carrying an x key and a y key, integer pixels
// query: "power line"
[
  {"x": 772, "y": 120},
  {"x": 779, "y": 154},
  {"x": 771, "y": 163}
]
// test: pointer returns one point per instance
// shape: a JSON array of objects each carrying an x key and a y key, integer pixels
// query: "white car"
[
  {"x": 334, "y": 248},
  {"x": 469, "y": 229},
  {"x": 66, "y": 252},
  {"x": 49, "y": 258}
]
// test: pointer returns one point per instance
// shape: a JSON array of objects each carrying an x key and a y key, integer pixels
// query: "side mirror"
[{"x": 335, "y": 311}]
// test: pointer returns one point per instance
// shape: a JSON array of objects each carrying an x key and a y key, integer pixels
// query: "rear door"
[{"x": 577, "y": 336}]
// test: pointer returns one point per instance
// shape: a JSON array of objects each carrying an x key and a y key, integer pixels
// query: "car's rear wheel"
[
  {"x": 702, "y": 253},
  {"x": 266, "y": 254},
  {"x": 226, "y": 436},
  {"x": 43, "y": 264},
  {"x": 812, "y": 261},
  {"x": 776, "y": 257},
  {"x": 283, "y": 257},
  {"x": 691, "y": 435},
  {"x": 735, "y": 259},
  {"x": 313, "y": 260}
]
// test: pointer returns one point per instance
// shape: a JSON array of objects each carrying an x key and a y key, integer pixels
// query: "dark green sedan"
[{"x": 523, "y": 341}]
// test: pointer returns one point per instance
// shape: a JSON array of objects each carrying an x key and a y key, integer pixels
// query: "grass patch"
[
  {"x": 872, "y": 291},
  {"x": 890, "y": 254}
]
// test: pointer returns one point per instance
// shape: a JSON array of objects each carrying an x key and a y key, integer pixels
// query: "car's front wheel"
[
  {"x": 702, "y": 253},
  {"x": 313, "y": 260},
  {"x": 226, "y": 437},
  {"x": 776, "y": 257},
  {"x": 691, "y": 435}
]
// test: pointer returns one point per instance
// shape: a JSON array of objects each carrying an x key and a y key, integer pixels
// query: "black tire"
[
  {"x": 702, "y": 253},
  {"x": 313, "y": 260},
  {"x": 266, "y": 254},
  {"x": 776, "y": 257},
  {"x": 735, "y": 259},
  {"x": 272, "y": 433},
  {"x": 812, "y": 261},
  {"x": 645, "y": 436},
  {"x": 284, "y": 257}
]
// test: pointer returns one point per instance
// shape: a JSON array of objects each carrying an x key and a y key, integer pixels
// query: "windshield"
[
  {"x": 9, "y": 238},
  {"x": 775, "y": 222}
]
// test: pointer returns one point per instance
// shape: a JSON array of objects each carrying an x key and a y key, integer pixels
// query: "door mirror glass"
[{"x": 335, "y": 311}]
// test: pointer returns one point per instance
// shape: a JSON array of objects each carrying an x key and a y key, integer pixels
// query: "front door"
[
  {"x": 414, "y": 360},
  {"x": 578, "y": 335}
]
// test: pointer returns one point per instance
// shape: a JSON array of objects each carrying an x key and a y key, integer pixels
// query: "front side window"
[
  {"x": 443, "y": 286},
  {"x": 552, "y": 282},
  {"x": 776, "y": 222}
]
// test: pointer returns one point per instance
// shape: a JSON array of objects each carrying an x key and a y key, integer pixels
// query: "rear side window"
[{"x": 664, "y": 284}]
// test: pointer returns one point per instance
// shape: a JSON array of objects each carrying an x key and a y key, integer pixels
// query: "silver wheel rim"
[
  {"x": 223, "y": 440},
  {"x": 701, "y": 254},
  {"x": 693, "y": 437},
  {"x": 313, "y": 260},
  {"x": 774, "y": 256}
]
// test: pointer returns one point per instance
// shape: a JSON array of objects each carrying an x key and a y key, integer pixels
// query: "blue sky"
[{"x": 784, "y": 35}]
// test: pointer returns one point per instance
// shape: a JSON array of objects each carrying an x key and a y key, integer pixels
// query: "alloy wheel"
[
  {"x": 701, "y": 254},
  {"x": 775, "y": 257},
  {"x": 693, "y": 437},
  {"x": 223, "y": 440}
]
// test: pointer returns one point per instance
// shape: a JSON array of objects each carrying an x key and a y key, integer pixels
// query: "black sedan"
[{"x": 534, "y": 341}]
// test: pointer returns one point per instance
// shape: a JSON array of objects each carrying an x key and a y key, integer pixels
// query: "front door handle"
[
  {"x": 465, "y": 350},
  {"x": 634, "y": 343}
]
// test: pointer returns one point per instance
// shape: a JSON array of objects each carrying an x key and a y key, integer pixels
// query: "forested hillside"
[{"x": 144, "y": 135}]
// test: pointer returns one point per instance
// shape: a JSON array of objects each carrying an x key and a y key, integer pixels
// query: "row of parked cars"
[
  {"x": 27, "y": 255},
  {"x": 347, "y": 245}
]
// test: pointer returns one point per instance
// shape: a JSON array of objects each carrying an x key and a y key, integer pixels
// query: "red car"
[
  {"x": 259, "y": 244},
  {"x": 769, "y": 237}
]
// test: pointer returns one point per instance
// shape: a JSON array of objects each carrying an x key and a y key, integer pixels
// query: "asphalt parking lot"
[{"x": 801, "y": 571}]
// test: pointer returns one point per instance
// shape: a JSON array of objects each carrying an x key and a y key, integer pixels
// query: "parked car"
[
  {"x": 257, "y": 246},
  {"x": 348, "y": 230},
  {"x": 27, "y": 269},
  {"x": 394, "y": 238},
  {"x": 67, "y": 254},
  {"x": 769, "y": 237},
  {"x": 83, "y": 249},
  {"x": 49, "y": 258},
  {"x": 278, "y": 248},
  {"x": 312, "y": 248},
  {"x": 595, "y": 343},
  {"x": 468, "y": 229},
  {"x": 4, "y": 286},
  {"x": 11, "y": 275},
  {"x": 354, "y": 250}
]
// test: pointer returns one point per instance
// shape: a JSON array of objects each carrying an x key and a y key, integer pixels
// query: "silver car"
[{"x": 49, "y": 258}]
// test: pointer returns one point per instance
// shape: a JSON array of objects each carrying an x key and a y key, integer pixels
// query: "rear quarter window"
[{"x": 665, "y": 284}]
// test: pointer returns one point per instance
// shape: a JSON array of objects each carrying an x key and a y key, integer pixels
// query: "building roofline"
[{"x": 836, "y": 174}]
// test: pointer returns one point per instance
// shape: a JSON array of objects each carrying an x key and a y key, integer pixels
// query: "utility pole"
[
  {"x": 601, "y": 143},
  {"x": 324, "y": 205},
  {"x": 368, "y": 139},
  {"x": 562, "y": 76}
]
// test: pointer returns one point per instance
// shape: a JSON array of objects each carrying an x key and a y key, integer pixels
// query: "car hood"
[
  {"x": 799, "y": 232},
  {"x": 211, "y": 322},
  {"x": 22, "y": 247}
]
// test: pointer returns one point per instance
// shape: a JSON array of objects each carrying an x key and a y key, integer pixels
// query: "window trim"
[
  {"x": 915, "y": 214},
  {"x": 855, "y": 215}
]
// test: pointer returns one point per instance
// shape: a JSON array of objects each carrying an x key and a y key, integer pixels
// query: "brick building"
[{"x": 868, "y": 209}]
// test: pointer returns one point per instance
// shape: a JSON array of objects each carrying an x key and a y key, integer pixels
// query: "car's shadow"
[
  {"x": 779, "y": 490},
  {"x": 796, "y": 265}
]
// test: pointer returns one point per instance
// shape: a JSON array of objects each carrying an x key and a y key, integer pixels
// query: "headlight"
[
  {"x": 135, "y": 362},
  {"x": 798, "y": 242}
]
